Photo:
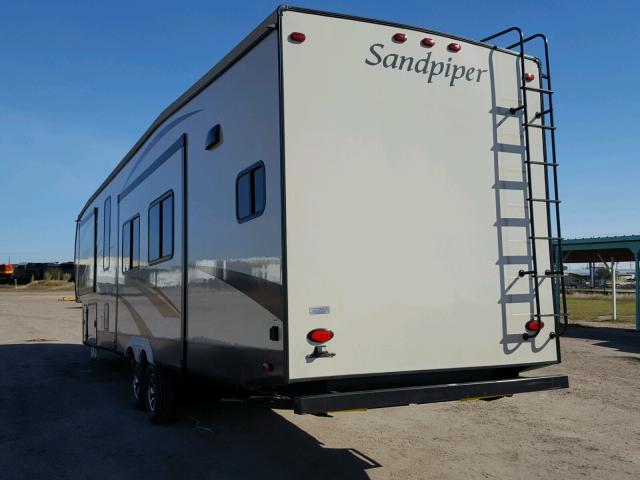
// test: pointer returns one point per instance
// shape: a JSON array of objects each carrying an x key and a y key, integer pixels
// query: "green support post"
[{"x": 556, "y": 282}]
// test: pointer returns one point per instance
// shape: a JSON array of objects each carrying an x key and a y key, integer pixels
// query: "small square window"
[
  {"x": 250, "y": 193},
  {"x": 243, "y": 195}
]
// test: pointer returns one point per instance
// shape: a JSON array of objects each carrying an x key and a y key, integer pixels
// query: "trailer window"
[
  {"x": 106, "y": 235},
  {"x": 131, "y": 244},
  {"x": 135, "y": 243},
  {"x": 161, "y": 228},
  {"x": 250, "y": 193}
]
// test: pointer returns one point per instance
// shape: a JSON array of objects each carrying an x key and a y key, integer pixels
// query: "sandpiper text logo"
[{"x": 425, "y": 66}]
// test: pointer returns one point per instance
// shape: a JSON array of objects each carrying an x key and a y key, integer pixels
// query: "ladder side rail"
[
  {"x": 560, "y": 259},
  {"x": 534, "y": 257}
]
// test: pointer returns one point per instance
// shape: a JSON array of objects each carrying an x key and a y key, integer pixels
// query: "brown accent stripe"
[
  {"x": 137, "y": 319},
  {"x": 269, "y": 295},
  {"x": 157, "y": 298}
]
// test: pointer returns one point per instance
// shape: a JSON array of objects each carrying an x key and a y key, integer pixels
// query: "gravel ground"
[{"x": 64, "y": 416}]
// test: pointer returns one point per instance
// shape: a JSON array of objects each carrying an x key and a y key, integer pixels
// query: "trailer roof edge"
[{"x": 265, "y": 27}]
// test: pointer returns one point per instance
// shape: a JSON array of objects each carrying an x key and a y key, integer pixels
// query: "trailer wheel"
[
  {"x": 160, "y": 398},
  {"x": 138, "y": 385}
]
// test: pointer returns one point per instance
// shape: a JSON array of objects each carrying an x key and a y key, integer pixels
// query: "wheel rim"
[
  {"x": 152, "y": 392},
  {"x": 137, "y": 384}
]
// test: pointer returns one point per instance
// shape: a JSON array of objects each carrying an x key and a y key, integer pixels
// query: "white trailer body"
[{"x": 335, "y": 174}]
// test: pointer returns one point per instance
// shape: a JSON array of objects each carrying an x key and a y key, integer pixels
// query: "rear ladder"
[{"x": 556, "y": 272}]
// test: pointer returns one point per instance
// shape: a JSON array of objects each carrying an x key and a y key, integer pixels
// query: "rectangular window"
[
  {"x": 250, "y": 192},
  {"x": 126, "y": 246},
  {"x": 167, "y": 227},
  {"x": 105, "y": 317},
  {"x": 106, "y": 235},
  {"x": 135, "y": 243},
  {"x": 161, "y": 229},
  {"x": 131, "y": 244},
  {"x": 154, "y": 228}
]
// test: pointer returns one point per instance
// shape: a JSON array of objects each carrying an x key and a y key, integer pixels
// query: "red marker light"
[
  {"x": 534, "y": 326},
  {"x": 454, "y": 47},
  {"x": 298, "y": 37},
  {"x": 427, "y": 42},
  {"x": 267, "y": 367},
  {"x": 320, "y": 335},
  {"x": 529, "y": 77},
  {"x": 399, "y": 37}
]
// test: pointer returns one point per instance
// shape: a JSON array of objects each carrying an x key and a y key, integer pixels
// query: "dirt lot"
[{"x": 64, "y": 416}]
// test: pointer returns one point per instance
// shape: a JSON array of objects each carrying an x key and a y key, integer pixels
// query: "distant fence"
[{"x": 601, "y": 291}]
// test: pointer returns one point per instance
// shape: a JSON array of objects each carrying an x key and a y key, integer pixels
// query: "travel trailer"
[{"x": 343, "y": 212}]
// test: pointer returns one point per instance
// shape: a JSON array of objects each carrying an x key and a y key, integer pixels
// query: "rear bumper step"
[{"x": 393, "y": 397}]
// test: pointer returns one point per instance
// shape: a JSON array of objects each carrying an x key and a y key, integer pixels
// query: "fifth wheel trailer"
[{"x": 348, "y": 213}]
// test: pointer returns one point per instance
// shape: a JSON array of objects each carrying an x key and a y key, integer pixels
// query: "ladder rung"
[
  {"x": 544, "y": 112},
  {"x": 553, "y": 272},
  {"x": 544, "y": 127},
  {"x": 515, "y": 109},
  {"x": 545, "y": 238},
  {"x": 533, "y": 274},
  {"x": 539, "y": 90},
  {"x": 544, "y": 200},
  {"x": 522, "y": 273},
  {"x": 542, "y": 163},
  {"x": 545, "y": 76}
]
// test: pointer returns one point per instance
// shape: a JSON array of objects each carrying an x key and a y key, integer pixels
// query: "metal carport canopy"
[{"x": 625, "y": 248}]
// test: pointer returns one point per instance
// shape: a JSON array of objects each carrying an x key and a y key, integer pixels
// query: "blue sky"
[{"x": 81, "y": 81}]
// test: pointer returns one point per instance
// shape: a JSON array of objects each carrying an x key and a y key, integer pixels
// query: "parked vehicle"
[
  {"x": 6, "y": 272},
  {"x": 341, "y": 213}
]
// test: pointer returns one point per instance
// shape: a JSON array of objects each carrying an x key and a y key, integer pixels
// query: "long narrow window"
[
  {"x": 161, "y": 228},
  {"x": 106, "y": 235},
  {"x": 250, "y": 193},
  {"x": 131, "y": 244}
]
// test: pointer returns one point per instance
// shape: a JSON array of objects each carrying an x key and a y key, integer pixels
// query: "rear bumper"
[{"x": 393, "y": 397}]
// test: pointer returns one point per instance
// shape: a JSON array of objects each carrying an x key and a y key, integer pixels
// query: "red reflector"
[
  {"x": 534, "y": 326},
  {"x": 427, "y": 42},
  {"x": 529, "y": 77},
  {"x": 399, "y": 37},
  {"x": 267, "y": 367},
  {"x": 454, "y": 47},
  {"x": 298, "y": 37},
  {"x": 320, "y": 335}
]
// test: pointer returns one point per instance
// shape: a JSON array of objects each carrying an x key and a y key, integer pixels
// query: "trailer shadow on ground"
[
  {"x": 620, "y": 339},
  {"x": 64, "y": 416}
]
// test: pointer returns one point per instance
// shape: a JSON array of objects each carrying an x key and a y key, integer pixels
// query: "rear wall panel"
[{"x": 406, "y": 211}]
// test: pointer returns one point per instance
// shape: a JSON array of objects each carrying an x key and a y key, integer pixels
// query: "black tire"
[
  {"x": 138, "y": 385},
  {"x": 160, "y": 398}
]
